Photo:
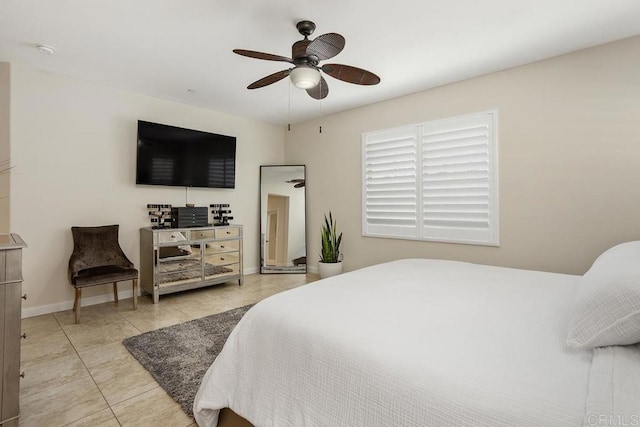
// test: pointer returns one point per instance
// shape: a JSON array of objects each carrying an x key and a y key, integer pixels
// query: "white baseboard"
[
  {"x": 98, "y": 299},
  {"x": 251, "y": 270},
  {"x": 68, "y": 305}
]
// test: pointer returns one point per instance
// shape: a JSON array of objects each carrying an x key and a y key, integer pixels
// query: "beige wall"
[
  {"x": 74, "y": 150},
  {"x": 569, "y": 161},
  {"x": 5, "y": 152}
]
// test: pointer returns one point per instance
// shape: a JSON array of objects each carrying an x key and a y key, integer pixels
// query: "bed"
[{"x": 421, "y": 342}]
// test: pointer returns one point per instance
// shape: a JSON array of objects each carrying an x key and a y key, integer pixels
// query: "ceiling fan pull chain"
[
  {"x": 321, "y": 81},
  {"x": 289, "y": 110}
]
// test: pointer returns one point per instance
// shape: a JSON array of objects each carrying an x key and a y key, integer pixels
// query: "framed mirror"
[{"x": 283, "y": 231}]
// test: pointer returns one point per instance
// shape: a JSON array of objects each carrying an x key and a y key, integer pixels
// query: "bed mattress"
[{"x": 409, "y": 343}]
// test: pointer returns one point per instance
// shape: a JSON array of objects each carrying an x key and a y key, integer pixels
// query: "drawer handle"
[
  {"x": 24, "y": 297},
  {"x": 22, "y": 375},
  {"x": 222, "y": 246},
  {"x": 221, "y": 258},
  {"x": 228, "y": 232},
  {"x": 23, "y": 336}
]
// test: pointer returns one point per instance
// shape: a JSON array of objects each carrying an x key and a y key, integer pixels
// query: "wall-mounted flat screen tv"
[{"x": 169, "y": 155}]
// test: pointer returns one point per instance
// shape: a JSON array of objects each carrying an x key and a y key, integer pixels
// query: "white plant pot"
[{"x": 328, "y": 269}]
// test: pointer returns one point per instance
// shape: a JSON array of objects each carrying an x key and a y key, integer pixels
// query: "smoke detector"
[{"x": 46, "y": 49}]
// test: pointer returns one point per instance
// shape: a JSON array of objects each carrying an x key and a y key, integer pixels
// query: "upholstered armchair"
[{"x": 98, "y": 259}]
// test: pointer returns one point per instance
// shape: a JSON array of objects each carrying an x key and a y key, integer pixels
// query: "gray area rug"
[{"x": 178, "y": 356}]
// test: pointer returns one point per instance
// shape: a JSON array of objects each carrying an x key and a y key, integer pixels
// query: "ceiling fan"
[{"x": 305, "y": 57}]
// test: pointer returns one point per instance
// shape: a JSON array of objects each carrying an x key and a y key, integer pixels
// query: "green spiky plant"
[{"x": 330, "y": 241}]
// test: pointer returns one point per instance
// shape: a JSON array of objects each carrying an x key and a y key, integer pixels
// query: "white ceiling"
[{"x": 163, "y": 48}]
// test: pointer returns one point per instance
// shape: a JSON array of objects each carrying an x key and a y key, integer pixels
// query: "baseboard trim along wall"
[
  {"x": 98, "y": 299},
  {"x": 68, "y": 305}
]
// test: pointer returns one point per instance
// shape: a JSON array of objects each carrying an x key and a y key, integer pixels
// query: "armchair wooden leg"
[
  {"x": 135, "y": 294},
  {"x": 115, "y": 292},
  {"x": 76, "y": 305}
]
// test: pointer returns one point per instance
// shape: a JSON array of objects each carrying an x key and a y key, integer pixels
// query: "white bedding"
[
  {"x": 413, "y": 343},
  {"x": 614, "y": 387}
]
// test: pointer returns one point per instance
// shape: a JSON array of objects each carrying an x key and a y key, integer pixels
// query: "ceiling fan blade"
[
  {"x": 320, "y": 91},
  {"x": 326, "y": 46},
  {"x": 292, "y": 181},
  {"x": 262, "y": 55},
  {"x": 300, "y": 185},
  {"x": 351, "y": 74},
  {"x": 271, "y": 78}
]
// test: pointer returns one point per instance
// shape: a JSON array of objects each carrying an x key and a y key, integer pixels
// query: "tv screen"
[{"x": 169, "y": 155}]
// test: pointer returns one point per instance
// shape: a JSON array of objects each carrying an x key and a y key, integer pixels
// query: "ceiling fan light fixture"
[{"x": 305, "y": 77}]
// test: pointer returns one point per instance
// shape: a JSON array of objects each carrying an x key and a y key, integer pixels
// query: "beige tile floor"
[{"x": 82, "y": 375}]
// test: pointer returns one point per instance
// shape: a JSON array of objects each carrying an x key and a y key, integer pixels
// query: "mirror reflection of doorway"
[
  {"x": 272, "y": 237},
  {"x": 278, "y": 224}
]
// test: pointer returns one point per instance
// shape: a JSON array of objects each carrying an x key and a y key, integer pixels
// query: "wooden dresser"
[
  {"x": 10, "y": 310},
  {"x": 177, "y": 259}
]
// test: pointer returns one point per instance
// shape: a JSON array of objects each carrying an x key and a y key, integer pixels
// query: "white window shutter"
[
  {"x": 390, "y": 184},
  {"x": 433, "y": 181},
  {"x": 457, "y": 180}
]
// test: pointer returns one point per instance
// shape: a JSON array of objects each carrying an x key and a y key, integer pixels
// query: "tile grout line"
[
  {"x": 89, "y": 371},
  {"x": 136, "y": 361}
]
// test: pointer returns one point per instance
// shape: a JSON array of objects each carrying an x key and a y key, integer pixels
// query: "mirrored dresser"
[{"x": 178, "y": 259}]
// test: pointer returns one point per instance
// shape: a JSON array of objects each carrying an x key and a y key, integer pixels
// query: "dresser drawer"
[
  {"x": 223, "y": 259},
  {"x": 202, "y": 234},
  {"x": 170, "y": 236},
  {"x": 218, "y": 271},
  {"x": 227, "y": 232},
  {"x": 179, "y": 271},
  {"x": 223, "y": 246}
]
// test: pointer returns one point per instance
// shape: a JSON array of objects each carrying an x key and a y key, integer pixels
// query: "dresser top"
[
  {"x": 208, "y": 227},
  {"x": 11, "y": 241}
]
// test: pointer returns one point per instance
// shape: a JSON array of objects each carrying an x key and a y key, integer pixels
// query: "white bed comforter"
[{"x": 408, "y": 343}]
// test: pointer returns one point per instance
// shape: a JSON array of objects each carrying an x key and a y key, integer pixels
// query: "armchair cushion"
[{"x": 101, "y": 275}]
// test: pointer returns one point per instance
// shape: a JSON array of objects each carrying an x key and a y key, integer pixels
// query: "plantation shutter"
[
  {"x": 432, "y": 181},
  {"x": 457, "y": 180},
  {"x": 390, "y": 193}
]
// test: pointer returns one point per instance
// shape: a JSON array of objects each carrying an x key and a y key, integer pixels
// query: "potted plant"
[{"x": 330, "y": 258}]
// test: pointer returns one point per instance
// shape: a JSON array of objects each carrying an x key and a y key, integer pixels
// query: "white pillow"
[{"x": 607, "y": 308}]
